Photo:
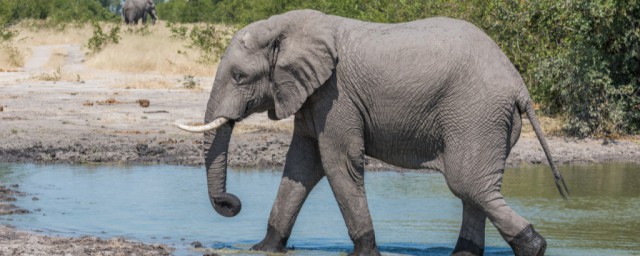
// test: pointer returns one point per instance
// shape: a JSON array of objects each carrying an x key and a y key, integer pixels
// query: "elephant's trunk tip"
[
  {"x": 226, "y": 204},
  {"x": 213, "y": 125}
]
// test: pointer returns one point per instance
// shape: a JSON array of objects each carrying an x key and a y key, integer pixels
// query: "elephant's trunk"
[{"x": 216, "y": 145}]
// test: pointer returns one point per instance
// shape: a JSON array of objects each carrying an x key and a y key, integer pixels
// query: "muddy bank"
[
  {"x": 9, "y": 194},
  {"x": 15, "y": 242},
  {"x": 261, "y": 148}
]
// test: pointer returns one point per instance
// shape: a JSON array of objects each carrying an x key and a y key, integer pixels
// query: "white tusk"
[{"x": 213, "y": 125}]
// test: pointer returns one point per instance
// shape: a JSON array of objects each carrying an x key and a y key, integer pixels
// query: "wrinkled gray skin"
[
  {"x": 134, "y": 10},
  {"x": 435, "y": 93}
]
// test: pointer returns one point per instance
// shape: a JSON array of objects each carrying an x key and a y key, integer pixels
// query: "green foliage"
[
  {"x": 139, "y": 30},
  {"x": 100, "y": 39},
  {"x": 580, "y": 59},
  {"x": 55, "y": 11},
  {"x": 6, "y": 33},
  {"x": 209, "y": 39},
  {"x": 190, "y": 82}
]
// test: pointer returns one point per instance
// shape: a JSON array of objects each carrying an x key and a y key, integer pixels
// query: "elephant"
[
  {"x": 436, "y": 94},
  {"x": 134, "y": 10}
]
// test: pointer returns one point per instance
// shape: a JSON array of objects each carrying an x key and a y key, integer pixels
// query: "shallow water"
[{"x": 413, "y": 213}]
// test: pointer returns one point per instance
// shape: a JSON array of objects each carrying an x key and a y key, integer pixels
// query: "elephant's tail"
[{"x": 526, "y": 105}]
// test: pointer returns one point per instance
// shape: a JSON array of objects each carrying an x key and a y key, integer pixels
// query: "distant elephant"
[
  {"x": 134, "y": 10},
  {"x": 435, "y": 93}
]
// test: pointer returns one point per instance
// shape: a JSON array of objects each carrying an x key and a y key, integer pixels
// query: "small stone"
[
  {"x": 35, "y": 198},
  {"x": 143, "y": 103},
  {"x": 196, "y": 244}
]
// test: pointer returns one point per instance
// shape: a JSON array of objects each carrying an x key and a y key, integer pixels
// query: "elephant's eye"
[{"x": 239, "y": 77}]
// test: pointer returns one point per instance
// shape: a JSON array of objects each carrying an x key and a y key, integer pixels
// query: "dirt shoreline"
[
  {"x": 17, "y": 242},
  {"x": 266, "y": 150}
]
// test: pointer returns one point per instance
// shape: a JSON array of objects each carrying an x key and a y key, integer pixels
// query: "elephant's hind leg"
[
  {"x": 471, "y": 239},
  {"x": 302, "y": 172},
  {"x": 478, "y": 182}
]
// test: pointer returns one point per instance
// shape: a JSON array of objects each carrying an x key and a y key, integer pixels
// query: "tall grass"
[{"x": 151, "y": 50}]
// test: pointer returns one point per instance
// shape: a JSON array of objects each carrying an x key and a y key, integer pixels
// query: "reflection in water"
[
  {"x": 602, "y": 211},
  {"x": 414, "y": 213}
]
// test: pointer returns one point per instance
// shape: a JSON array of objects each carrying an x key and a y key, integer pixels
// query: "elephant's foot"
[
  {"x": 365, "y": 245},
  {"x": 528, "y": 243},
  {"x": 274, "y": 241},
  {"x": 466, "y": 247}
]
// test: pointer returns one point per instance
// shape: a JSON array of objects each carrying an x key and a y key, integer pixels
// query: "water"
[{"x": 413, "y": 213}]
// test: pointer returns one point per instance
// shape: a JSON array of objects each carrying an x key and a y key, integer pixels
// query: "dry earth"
[{"x": 15, "y": 242}]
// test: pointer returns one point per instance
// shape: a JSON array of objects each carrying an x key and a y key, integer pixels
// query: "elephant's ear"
[{"x": 303, "y": 58}]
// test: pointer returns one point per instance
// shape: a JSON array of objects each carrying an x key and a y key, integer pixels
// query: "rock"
[
  {"x": 196, "y": 244},
  {"x": 143, "y": 103}
]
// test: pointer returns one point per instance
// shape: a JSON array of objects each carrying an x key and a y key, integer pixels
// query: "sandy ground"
[{"x": 81, "y": 115}]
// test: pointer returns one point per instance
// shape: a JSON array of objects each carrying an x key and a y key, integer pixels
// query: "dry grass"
[
  {"x": 59, "y": 75},
  {"x": 147, "y": 84},
  {"x": 270, "y": 127},
  {"x": 57, "y": 59},
  {"x": 11, "y": 57},
  {"x": 15, "y": 52},
  {"x": 33, "y": 33},
  {"x": 155, "y": 52}
]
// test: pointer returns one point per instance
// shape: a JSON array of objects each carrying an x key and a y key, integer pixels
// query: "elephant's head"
[{"x": 271, "y": 65}]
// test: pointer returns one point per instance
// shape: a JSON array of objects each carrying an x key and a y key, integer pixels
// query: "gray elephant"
[
  {"x": 435, "y": 93},
  {"x": 134, "y": 10}
]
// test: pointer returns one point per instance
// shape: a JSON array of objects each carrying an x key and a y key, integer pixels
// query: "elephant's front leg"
[
  {"x": 471, "y": 239},
  {"x": 302, "y": 171},
  {"x": 343, "y": 161},
  {"x": 144, "y": 18}
]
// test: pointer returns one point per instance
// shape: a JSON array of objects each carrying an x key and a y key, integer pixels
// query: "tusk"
[{"x": 213, "y": 125}]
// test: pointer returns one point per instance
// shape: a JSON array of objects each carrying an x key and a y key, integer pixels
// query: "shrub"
[
  {"x": 100, "y": 39},
  {"x": 208, "y": 39}
]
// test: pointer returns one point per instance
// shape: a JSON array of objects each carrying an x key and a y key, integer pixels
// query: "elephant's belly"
[{"x": 421, "y": 152}]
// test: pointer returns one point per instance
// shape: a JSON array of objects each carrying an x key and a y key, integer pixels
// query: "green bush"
[
  {"x": 210, "y": 40},
  {"x": 99, "y": 39},
  {"x": 55, "y": 11}
]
